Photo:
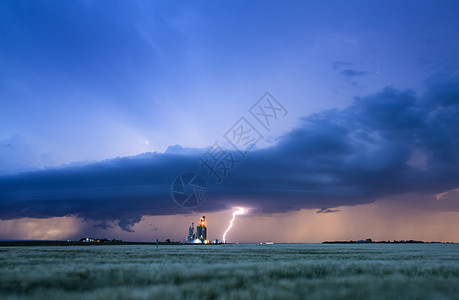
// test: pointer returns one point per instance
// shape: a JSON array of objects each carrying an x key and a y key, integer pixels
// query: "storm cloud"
[{"x": 388, "y": 143}]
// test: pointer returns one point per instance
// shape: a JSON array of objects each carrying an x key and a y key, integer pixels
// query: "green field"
[{"x": 291, "y": 271}]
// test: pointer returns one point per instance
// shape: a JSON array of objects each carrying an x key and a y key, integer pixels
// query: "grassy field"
[{"x": 295, "y": 271}]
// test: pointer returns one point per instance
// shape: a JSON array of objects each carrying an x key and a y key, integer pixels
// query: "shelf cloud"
[{"x": 388, "y": 143}]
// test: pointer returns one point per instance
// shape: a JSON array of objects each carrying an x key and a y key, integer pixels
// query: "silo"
[{"x": 202, "y": 229}]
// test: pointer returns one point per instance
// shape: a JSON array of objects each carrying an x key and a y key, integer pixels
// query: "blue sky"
[
  {"x": 95, "y": 80},
  {"x": 89, "y": 81}
]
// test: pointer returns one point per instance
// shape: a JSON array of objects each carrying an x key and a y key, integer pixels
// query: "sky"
[{"x": 352, "y": 110}]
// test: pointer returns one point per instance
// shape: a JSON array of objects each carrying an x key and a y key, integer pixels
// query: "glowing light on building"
[{"x": 201, "y": 230}]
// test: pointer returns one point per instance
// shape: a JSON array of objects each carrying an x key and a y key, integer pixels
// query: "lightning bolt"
[{"x": 238, "y": 211}]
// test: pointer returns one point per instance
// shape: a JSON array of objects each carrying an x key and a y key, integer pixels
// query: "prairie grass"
[{"x": 290, "y": 271}]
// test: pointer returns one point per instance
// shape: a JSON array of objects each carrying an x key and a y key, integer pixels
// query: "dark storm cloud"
[
  {"x": 121, "y": 189},
  {"x": 385, "y": 144},
  {"x": 326, "y": 211}
]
